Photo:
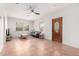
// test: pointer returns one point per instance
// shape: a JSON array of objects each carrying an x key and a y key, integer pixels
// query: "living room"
[{"x": 31, "y": 24}]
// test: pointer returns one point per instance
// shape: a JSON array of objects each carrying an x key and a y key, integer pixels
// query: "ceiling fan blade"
[
  {"x": 33, "y": 10},
  {"x": 37, "y": 13}
]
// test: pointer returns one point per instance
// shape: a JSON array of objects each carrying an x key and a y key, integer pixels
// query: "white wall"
[
  {"x": 47, "y": 26},
  {"x": 70, "y": 24},
  {"x": 12, "y": 26},
  {"x": 2, "y": 26},
  {"x": 1, "y": 33}
]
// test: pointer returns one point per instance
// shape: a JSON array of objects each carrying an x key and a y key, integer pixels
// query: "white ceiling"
[{"x": 21, "y": 10}]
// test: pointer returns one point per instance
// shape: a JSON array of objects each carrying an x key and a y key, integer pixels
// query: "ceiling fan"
[{"x": 32, "y": 10}]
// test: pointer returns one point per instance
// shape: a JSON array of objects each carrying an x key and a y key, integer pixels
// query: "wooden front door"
[{"x": 57, "y": 29}]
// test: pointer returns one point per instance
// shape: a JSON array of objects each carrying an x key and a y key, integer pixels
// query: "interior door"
[{"x": 57, "y": 29}]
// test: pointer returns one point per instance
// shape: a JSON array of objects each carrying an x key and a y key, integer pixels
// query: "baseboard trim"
[{"x": 74, "y": 46}]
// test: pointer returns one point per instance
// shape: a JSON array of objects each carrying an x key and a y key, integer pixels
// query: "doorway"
[{"x": 57, "y": 29}]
